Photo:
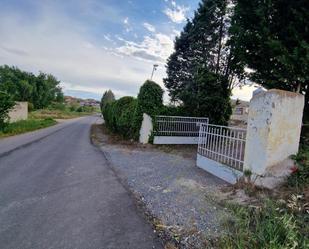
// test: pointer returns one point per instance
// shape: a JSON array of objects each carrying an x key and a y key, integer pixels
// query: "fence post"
[
  {"x": 146, "y": 129},
  {"x": 273, "y": 133}
]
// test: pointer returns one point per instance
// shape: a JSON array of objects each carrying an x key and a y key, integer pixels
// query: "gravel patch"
[{"x": 175, "y": 191}]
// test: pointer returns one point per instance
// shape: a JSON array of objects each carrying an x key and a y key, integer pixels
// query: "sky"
[{"x": 94, "y": 45}]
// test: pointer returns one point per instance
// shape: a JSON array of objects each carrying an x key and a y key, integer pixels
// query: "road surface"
[{"x": 57, "y": 191}]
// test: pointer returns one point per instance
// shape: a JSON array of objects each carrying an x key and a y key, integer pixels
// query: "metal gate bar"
[
  {"x": 223, "y": 144},
  {"x": 178, "y": 126}
]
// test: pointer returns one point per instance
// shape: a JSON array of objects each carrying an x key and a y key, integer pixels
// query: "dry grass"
[{"x": 56, "y": 114}]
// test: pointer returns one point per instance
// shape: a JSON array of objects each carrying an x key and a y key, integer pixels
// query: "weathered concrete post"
[
  {"x": 273, "y": 133},
  {"x": 19, "y": 112},
  {"x": 146, "y": 129}
]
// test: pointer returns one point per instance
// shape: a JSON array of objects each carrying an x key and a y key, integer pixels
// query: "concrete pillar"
[
  {"x": 273, "y": 132},
  {"x": 146, "y": 129}
]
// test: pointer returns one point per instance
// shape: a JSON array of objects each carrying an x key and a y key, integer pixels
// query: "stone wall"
[{"x": 19, "y": 112}]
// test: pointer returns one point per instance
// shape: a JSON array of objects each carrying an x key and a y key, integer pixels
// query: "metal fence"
[
  {"x": 178, "y": 126},
  {"x": 223, "y": 144}
]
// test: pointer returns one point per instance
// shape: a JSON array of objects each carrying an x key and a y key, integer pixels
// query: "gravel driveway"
[{"x": 182, "y": 196}]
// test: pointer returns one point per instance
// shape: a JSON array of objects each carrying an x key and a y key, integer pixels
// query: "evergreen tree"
[
  {"x": 202, "y": 51},
  {"x": 213, "y": 97},
  {"x": 107, "y": 97},
  {"x": 272, "y": 38}
]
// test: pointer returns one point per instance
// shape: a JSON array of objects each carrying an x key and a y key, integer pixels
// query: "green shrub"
[
  {"x": 6, "y": 103},
  {"x": 149, "y": 101},
  {"x": 30, "y": 107},
  {"x": 119, "y": 116},
  {"x": 125, "y": 120},
  {"x": 57, "y": 106},
  {"x": 170, "y": 110},
  {"x": 300, "y": 173},
  {"x": 107, "y": 97}
]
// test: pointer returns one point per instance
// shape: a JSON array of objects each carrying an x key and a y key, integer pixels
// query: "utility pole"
[{"x": 155, "y": 66}]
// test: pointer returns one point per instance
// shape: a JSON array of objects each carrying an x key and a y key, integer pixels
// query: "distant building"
[
  {"x": 81, "y": 102},
  {"x": 240, "y": 112}
]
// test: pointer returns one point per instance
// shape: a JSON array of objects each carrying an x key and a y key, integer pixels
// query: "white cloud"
[
  {"x": 149, "y": 27},
  {"x": 127, "y": 25},
  {"x": 176, "y": 13},
  {"x": 52, "y": 44},
  {"x": 155, "y": 48}
]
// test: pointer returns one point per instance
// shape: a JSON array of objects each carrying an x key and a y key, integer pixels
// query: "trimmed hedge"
[
  {"x": 149, "y": 101},
  {"x": 125, "y": 116},
  {"x": 119, "y": 116}
]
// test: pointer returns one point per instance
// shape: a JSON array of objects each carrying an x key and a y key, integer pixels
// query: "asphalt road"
[{"x": 57, "y": 191}]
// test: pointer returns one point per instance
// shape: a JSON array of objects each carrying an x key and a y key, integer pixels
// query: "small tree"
[
  {"x": 6, "y": 103},
  {"x": 107, "y": 97}
]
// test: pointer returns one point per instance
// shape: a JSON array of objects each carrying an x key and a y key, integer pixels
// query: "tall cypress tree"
[
  {"x": 107, "y": 97},
  {"x": 202, "y": 51}
]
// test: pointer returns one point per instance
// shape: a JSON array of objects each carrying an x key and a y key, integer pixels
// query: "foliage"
[
  {"x": 300, "y": 173},
  {"x": 107, "y": 97},
  {"x": 30, "y": 107},
  {"x": 25, "y": 126},
  {"x": 40, "y": 90},
  {"x": 271, "y": 37},
  {"x": 125, "y": 116},
  {"x": 118, "y": 116},
  {"x": 86, "y": 109},
  {"x": 126, "y": 120},
  {"x": 202, "y": 47},
  {"x": 172, "y": 110},
  {"x": 6, "y": 103},
  {"x": 269, "y": 226},
  {"x": 57, "y": 106},
  {"x": 150, "y": 98},
  {"x": 62, "y": 111},
  {"x": 149, "y": 101},
  {"x": 213, "y": 97}
]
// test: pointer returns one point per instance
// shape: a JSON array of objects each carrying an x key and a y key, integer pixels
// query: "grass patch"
[
  {"x": 271, "y": 225},
  {"x": 280, "y": 219},
  {"x": 25, "y": 126},
  {"x": 57, "y": 114}
]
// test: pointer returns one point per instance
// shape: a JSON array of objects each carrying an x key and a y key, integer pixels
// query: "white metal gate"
[
  {"x": 177, "y": 129},
  {"x": 221, "y": 150}
]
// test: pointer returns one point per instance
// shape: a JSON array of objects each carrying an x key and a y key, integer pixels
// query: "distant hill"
[{"x": 83, "y": 94}]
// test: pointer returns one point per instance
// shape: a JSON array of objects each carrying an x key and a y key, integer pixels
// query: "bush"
[
  {"x": 173, "y": 111},
  {"x": 300, "y": 173},
  {"x": 107, "y": 97},
  {"x": 6, "y": 103},
  {"x": 57, "y": 106},
  {"x": 125, "y": 121},
  {"x": 30, "y": 107},
  {"x": 118, "y": 116},
  {"x": 149, "y": 101}
]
